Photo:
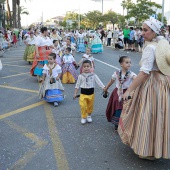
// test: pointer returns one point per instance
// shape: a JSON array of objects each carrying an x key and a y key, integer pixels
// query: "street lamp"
[{"x": 163, "y": 4}]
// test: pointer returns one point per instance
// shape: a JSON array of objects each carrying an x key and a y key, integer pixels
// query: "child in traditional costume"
[
  {"x": 69, "y": 72},
  {"x": 86, "y": 81},
  {"x": 87, "y": 56},
  {"x": 57, "y": 51},
  {"x": 123, "y": 78},
  {"x": 51, "y": 88}
]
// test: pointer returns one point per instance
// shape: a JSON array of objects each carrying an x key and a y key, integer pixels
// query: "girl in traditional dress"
[
  {"x": 80, "y": 42},
  {"x": 57, "y": 51},
  {"x": 87, "y": 56},
  {"x": 123, "y": 78},
  {"x": 144, "y": 122},
  {"x": 51, "y": 88},
  {"x": 15, "y": 40},
  {"x": 43, "y": 48},
  {"x": 30, "y": 48},
  {"x": 69, "y": 73},
  {"x": 96, "y": 45}
]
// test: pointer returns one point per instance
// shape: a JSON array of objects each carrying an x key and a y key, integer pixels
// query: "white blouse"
[
  {"x": 128, "y": 81},
  {"x": 43, "y": 41},
  {"x": 88, "y": 80},
  {"x": 30, "y": 41},
  {"x": 55, "y": 71},
  {"x": 148, "y": 60},
  {"x": 86, "y": 56},
  {"x": 68, "y": 59}
]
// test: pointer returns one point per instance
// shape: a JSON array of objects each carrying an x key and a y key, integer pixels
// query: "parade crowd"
[{"x": 139, "y": 106}]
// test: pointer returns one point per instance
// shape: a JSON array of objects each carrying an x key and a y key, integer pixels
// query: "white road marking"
[{"x": 107, "y": 64}]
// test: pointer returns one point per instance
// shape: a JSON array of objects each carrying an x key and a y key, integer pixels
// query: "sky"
[{"x": 52, "y": 8}]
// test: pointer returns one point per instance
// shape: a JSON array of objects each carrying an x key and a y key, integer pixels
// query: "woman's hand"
[{"x": 126, "y": 95}]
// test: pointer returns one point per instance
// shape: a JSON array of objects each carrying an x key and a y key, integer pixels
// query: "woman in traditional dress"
[
  {"x": 144, "y": 122},
  {"x": 43, "y": 47},
  {"x": 96, "y": 45},
  {"x": 54, "y": 36},
  {"x": 80, "y": 42},
  {"x": 36, "y": 32},
  {"x": 30, "y": 48}
]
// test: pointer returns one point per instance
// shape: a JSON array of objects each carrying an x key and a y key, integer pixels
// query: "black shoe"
[{"x": 116, "y": 127}]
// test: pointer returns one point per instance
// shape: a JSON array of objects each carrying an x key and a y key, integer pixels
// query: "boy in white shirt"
[{"x": 86, "y": 81}]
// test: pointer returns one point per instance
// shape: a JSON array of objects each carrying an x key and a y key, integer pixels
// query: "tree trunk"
[
  {"x": 14, "y": 2},
  {"x": 19, "y": 14},
  {"x": 9, "y": 13}
]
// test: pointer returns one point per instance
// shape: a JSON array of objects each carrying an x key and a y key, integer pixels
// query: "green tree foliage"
[
  {"x": 113, "y": 17},
  {"x": 142, "y": 10},
  {"x": 93, "y": 18},
  {"x": 74, "y": 25},
  {"x": 63, "y": 23},
  {"x": 71, "y": 16},
  {"x": 159, "y": 15}
]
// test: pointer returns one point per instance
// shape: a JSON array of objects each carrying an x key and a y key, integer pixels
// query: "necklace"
[
  {"x": 121, "y": 81},
  {"x": 51, "y": 67}
]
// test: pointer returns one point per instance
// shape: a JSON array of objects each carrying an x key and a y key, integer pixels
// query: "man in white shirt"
[
  {"x": 109, "y": 37},
  {"x": 115, "y": 36}
]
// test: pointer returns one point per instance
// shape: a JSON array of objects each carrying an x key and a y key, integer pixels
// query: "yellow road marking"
[
  {"x": 28, "y": 156},
  {"x": 14, "y": 75},
  {"x": 59, "y": 153},
  {"x": 15, "y": 65},
  {"x": 12, "y": 61},
  {"x": 3, "y": 116},
  {"x": 20, "y": 89}
]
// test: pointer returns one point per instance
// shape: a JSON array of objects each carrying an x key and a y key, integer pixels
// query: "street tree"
[
  {"x": 141, "y": 10},
  {"x": 113, "y": 17},
  {"x": 159, "y": 17},
  {"x": 93, "y": 18},
  {"x": 63, "y": 23}
]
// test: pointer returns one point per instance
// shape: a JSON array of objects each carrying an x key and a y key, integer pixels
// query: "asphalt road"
[{"x": 34, "y": 135}]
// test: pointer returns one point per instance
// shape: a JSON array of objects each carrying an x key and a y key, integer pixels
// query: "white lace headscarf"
[{"x": 154, "y": 24}]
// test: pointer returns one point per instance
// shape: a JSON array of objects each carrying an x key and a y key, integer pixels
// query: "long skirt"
[
  {"x": 80, "y": 45},
  {"x": 37, "y": 63},
  {"x": 97, "y": 48},
  {"x": 144, "y": 123},
  {"x": 114, "y": 108},
  {"x": 69, "y": 73},
  {"x": 31, "y": 53},
  {"x": 51, "y": 92},
  {"x": 54, "y": 95},
  {"x": 26, "y": 53}
]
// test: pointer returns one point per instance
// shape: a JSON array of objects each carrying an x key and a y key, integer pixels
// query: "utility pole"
[
  {"x": 163, "y": 4},
  {"x": 102, "y": 7}
]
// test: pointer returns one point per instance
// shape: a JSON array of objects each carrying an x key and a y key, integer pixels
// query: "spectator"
[
  {"x": 121, "y": 36},
  {"x": 109, "y": 37},
  {"x": 119, "y": 44},
  {"x": 126, "y": 33},
  {"x": 131, "y": 39},
  {"x": 136, "y": 35},
  {"x": 115, "y": 35}
]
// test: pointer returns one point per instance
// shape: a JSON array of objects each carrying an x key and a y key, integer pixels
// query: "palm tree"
[
  {"x": 9, "y": 18},
  {"x": 14, "y": 9},
  {"x": 21, "y": 11}
]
